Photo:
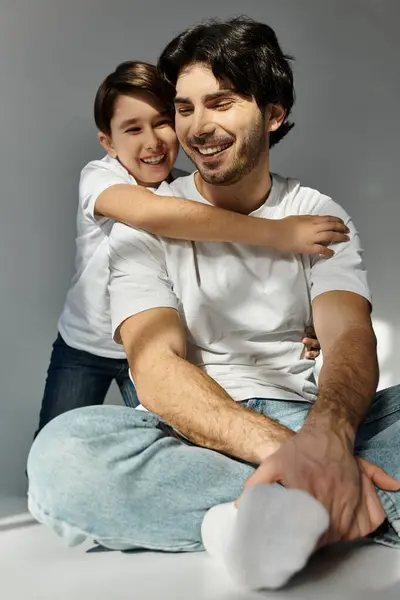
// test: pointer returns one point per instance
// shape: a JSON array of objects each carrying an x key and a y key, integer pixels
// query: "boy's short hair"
[{"x": 128, "y": 78}]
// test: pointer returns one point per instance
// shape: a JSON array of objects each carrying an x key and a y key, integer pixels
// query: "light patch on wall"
[
  {"x": 385, "y": 347},
  {"x": 385, "y": 341}
]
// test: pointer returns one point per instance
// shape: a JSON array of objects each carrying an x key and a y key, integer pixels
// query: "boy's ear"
[{"x": 106, "y": 141}]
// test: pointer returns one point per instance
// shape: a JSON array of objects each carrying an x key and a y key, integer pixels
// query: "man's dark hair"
[{"x": 242, "y": 50}]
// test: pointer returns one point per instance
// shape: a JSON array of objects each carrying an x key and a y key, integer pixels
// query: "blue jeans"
[
  {"x": 119, "y": 475},
  {"x": 76, "y": 379}
]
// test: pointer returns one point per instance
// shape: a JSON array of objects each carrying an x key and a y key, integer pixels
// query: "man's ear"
[
  {"x": 276, "y": 115},
  {"x": 106, "y": 141}
]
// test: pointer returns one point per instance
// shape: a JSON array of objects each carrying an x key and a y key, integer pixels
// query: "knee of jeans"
[
  {"x": 76, "y": 454},
  {"x": 59, "y": 458}
]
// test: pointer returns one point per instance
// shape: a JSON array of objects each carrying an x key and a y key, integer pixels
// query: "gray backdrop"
[{"x": 54, "y": 54}]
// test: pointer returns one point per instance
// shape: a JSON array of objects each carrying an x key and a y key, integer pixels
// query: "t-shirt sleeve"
[
  {"x": 138, "y": 275},
  {"x": 345, "y": 271},
  {"x": 95, "y": 178}
]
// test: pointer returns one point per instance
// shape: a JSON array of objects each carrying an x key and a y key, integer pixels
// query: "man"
[{"x": 213, "y": 337}]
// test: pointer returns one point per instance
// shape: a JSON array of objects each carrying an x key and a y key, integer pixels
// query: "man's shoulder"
[
  {"x": 300, "y": 199},
  {"x": 182, "y": 186},
  {"x": 131, "y": 248},
  {"x": 124, "y": 237}
]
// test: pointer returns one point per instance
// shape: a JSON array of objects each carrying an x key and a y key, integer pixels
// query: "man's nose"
[{"x": 202, "y": 126}]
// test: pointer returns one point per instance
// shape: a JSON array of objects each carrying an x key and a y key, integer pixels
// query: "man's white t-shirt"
[{"x": 244, "y": 307}]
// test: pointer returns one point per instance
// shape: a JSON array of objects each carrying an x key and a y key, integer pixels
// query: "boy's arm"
[{"x": 168, "y": 216}]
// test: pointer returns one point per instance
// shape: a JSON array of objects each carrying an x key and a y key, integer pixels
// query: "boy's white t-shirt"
[
  {"x": 85, "y": 321},
  {"x": 244, "y": 307}
]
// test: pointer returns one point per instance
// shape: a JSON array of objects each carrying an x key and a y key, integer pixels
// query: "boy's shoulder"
[
  {"x": 104, "y": 165},
  {"x": 97, "y": 176}
]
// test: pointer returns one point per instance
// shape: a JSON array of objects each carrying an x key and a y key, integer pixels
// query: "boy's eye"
[{"x": 133, "y": 130}]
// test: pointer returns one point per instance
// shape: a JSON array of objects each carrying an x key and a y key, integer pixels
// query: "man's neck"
[{"x": 243, "y": 197}]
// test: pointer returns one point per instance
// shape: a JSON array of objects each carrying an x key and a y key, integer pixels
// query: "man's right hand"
[{"x": 310, "y": 234}]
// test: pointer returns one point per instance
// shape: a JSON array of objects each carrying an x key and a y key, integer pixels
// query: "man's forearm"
[
  {"x": 192, "y": 402},
  {"x": 347, "y": 383}
]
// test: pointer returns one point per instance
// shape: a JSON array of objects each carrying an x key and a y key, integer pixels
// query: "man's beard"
[{"x": 244, "y": 160}]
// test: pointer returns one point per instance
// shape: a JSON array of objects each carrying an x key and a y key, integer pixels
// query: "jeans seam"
[
  {"x": 389, "y": 501},
  {"x": 370, "y": 418},
  {"x": 166, "y": 548}
]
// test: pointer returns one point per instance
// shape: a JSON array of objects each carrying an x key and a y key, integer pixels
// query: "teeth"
[
  {"x": 215, "y": 150},
  {"x": 154, "y": 161}
]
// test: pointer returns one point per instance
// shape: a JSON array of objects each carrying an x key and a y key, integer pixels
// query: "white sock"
[
  {"x": 269, "y": 538},
  {"x": 217, "y": 530}
]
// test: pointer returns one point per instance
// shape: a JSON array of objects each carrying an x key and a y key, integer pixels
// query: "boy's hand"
[
  {"x": 311, "y": 343},
  {"x": 310, "y": 234}
]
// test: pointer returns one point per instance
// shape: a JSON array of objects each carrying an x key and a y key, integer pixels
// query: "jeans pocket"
[{"x": 291, "y": 414}]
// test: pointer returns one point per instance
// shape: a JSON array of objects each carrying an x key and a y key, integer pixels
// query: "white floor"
[{"x": 34, "y": 565}]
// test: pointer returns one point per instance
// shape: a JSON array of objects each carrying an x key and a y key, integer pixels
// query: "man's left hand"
[{"x": 370, "y": 514}]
